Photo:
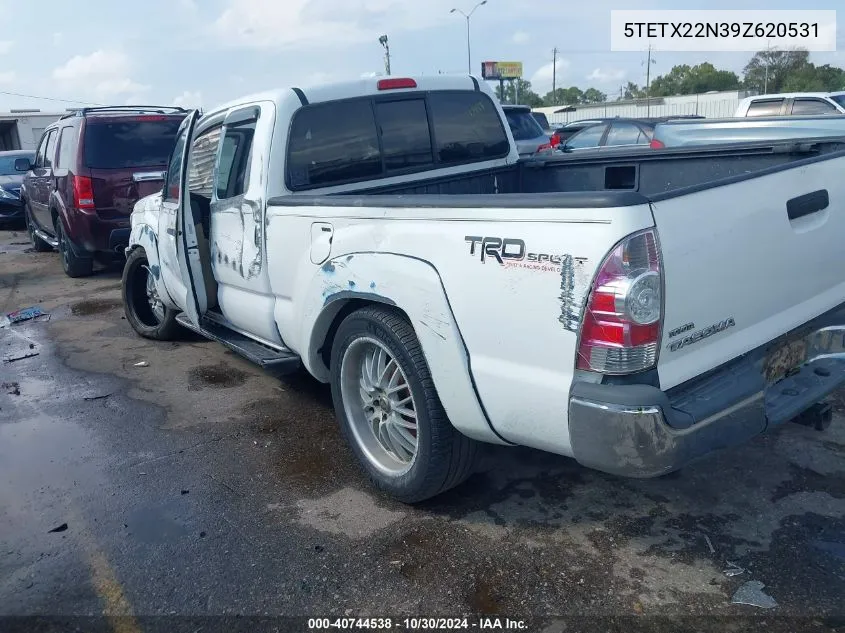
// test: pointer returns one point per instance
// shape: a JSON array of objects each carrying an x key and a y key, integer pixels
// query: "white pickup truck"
[{"x": 634, "y": 313}]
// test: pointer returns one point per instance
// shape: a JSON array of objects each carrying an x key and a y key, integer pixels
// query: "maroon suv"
[{"x": 90, "y": 169}]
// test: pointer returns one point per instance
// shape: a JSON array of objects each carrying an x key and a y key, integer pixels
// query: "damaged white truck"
[{"x": 633, "y": 312}]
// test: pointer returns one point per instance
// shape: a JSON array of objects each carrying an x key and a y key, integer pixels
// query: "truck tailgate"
[{"x": 747, "y": 262}]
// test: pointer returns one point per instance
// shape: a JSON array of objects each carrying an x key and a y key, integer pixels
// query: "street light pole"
[
  {"x": 468, "y": 16},
  {"x": 383, "y": 41}
]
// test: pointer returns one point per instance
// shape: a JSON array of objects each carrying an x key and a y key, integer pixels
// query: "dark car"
[
  {"x": 13, "y": 166},
  {"x": 571, "y": 129},
  {"x": 90, "y": 169}
]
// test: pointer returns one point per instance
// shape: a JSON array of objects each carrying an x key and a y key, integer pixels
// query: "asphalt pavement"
[{"x": 142, "y": 479}]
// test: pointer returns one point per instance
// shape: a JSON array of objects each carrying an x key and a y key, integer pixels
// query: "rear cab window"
[
  {"x": 811, "y": 106},
  {"x": 523, "y": 125},
  {"x": 144, "y": 141},
  {"x": 764, "y": 107},
  {"x": 368, "y": 138}
]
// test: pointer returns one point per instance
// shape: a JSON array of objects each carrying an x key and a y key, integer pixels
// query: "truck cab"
[{"x": 452, "y": 294}]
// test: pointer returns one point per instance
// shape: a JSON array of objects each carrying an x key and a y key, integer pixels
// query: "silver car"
[
  {"x": 527, "y": 133},
  {"x": 746, "y": 130}
]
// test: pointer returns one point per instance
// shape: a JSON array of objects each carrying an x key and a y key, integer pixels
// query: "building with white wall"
[
  {"x": 709, "y": 104},
  {"x": 22, "y": 129}
]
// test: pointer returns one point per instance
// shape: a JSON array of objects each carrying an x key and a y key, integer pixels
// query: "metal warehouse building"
[
  {"x": 22, "y": 129},
  {"x": 709, "y": 104}
]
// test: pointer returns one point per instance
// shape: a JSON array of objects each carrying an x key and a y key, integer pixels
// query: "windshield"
[
  {"x": 523, "y": 125},
  {"x": 839, "y": 99},
  {"x": 137, "y": 143},
  {"x": 7, "y": 164}
]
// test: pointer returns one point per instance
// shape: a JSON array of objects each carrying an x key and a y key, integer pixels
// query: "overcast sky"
[{"x": 203, "y": 52}]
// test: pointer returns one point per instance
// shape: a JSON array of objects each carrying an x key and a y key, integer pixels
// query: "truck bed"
[{"x": 657, "y": 174}]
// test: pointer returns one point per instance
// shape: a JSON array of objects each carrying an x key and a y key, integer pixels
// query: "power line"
[{"x": 18, "y": 94}]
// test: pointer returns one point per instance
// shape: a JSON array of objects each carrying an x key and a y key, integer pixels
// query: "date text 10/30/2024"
[{"x": 417, "y": 624}]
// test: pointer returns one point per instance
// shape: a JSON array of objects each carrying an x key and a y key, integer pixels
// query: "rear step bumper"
[{"x": 641, "y": 431}]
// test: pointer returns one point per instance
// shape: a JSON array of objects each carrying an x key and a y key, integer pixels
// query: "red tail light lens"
[
  {"x": 655, "y": 144},
  {"x": 620, "y": 331},
  {"x": 395, "y": 84},
  {"x": 555, "y": 140},
  {"x": 83, "y": 193}
]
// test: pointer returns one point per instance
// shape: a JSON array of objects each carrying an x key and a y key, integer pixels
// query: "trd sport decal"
[{"x": 511, "y": 251}]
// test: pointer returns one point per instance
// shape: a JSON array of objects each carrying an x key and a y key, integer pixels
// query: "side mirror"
[{"x": 22, "y": 164}]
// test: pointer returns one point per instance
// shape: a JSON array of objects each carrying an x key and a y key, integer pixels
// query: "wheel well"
[
  {"x": 346, "y": 307},
  {"x": 53, "y": 215}
]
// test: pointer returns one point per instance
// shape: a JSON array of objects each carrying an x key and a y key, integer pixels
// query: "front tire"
[
  {"x": 389, "y": 410},
  {"x": 39, "y": 245},
  {"x": 72, "y": 264},
  {"x": 144, "y": 310}
]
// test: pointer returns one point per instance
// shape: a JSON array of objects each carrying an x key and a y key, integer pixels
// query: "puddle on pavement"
[
  {"x": 221, "y": 375},
  {"x": 91, "y": 307}
]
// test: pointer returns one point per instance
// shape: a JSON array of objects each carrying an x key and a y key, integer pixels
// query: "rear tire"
[
  {"x": 389, "y": 410},
  {"x": 144, "y": 310},
  {"x": 72, "y": 264},
  {"x": 39, "y": 245}
]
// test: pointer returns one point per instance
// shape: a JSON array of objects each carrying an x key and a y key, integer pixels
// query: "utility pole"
[
  {"x": 648, "y": 64},
  {"x": 554, "y": 76},
  {"x": 768, "y": 59},
  {"x": 383, "y": 41}
]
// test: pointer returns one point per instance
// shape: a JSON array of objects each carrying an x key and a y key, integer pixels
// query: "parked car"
[
  {"x": 611, "y": 134},
  {"x": 570, "y": 129},
  {"x": 453, "y": 294},
  {"x": 527, "y": 133},
  {"x": 13, "y": 165},
  {"x": 745, "y": 130},
  {"x": 793, "y": 103},
  {"x": 90, "y": 168},
  {"x": 543, "y": 120}
]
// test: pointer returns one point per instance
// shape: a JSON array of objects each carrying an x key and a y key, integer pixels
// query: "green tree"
[
  {"x": 768, "y": 70},
  {"x": 591, "y": 95},
  {"x": 812, "y": 78},
  {"x": 525, "y": 96},
  {"x": 631, "y": 91},
  {"x": 684, "y": 79},
  {"x": 565, "y": 96}
]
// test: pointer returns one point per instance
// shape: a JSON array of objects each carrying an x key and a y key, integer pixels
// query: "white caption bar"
[{"x": 746, "y": 31}]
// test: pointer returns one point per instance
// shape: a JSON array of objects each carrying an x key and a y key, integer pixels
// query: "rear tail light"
[
  {"x": 620, "y": 332},
  {"x": 655, "y": 144},
  {"x": 83, "y": 193},
  {"x": 395, "y": 84},
  {"x": 555, "y": 140}
]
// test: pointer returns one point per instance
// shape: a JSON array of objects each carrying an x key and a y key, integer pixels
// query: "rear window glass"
[
  {"x": 840, "y": 99},
  {"x": 406, "y": 140},
  {"x": 366, "y": 139},
  {"x": 541, "y": 119},
  {"x": 523, "y": 125},
  {"x": 122, "y": 144},
  {"x": 467, "y": 127},
  {"x": 333, "y": 142}
]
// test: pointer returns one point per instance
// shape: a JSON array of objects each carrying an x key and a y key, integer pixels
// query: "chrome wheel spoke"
[{"x": 379, "y": 405}]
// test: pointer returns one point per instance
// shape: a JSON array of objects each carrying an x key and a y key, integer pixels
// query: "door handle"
[{"x": 809, "y": 203}]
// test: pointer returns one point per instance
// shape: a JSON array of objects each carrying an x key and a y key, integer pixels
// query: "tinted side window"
[
  {"x": 235, "y": 161},
  {"x": 765, "y": 107},
  {"x": 625, "y": 134},
  {"x": 201, "y": 165},
  {"x": 813, "y": 106},
  {"x": 50, "y": 152},
  {"x": 65, "y": 158},
  {"x": 467, "y": 127},
  {"x": 174, "y": 168},
  {"x": 39, "y": 155},
  {"x": 588, "y": 137},
  {"x": 333, "y": 142},
  {"x": 406, "y": 139}
]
